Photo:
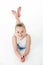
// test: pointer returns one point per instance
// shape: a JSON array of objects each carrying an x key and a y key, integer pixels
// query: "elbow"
[
  {"x": 15, "y": 50},
  {"x": 28, "y": 50}
]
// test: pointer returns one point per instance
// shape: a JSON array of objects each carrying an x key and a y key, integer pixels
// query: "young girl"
[{"x": 21, "y": 40}]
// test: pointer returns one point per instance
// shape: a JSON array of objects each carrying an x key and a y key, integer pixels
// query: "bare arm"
[
  {"x": 27, "y": 46},
  {"x": 15, "y": 47}
]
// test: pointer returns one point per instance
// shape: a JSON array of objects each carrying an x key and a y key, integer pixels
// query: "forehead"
[{"x": 20, "y": 28}]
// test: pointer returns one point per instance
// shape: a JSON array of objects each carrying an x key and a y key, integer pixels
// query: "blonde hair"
[{"x": 20, "y": 25}]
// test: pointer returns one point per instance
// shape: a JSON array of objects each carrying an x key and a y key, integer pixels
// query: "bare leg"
[
  {"x": 17, "y": 14},
  {"x": 19, "y": 11}
]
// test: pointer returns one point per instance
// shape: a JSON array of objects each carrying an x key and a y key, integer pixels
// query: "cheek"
[
  {"x": 16, "y": 33},
  {"x": 24, "y": 33}
]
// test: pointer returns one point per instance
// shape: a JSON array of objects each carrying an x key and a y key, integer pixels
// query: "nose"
[{"x": 20, "y": 34}]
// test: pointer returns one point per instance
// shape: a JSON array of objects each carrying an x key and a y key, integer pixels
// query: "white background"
[{"x": 32, "y": 16}]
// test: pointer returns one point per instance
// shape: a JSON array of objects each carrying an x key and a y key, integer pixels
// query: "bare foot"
[
  {"x": 18, "y": 11},
  {"x": 14, "y": 12}
]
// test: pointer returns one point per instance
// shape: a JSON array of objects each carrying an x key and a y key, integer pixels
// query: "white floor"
[
  {"x": 33, "y": 19},
  {"x": 7, "y": 55}
]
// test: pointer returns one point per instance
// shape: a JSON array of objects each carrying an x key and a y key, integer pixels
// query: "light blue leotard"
[{"x": 21, "y": 44}]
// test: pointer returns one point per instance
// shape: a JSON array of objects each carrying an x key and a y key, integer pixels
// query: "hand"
[{"x": 22, "y": 59}]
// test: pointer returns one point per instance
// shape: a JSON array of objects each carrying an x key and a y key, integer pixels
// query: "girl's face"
[{"x": 20, "y": 32}]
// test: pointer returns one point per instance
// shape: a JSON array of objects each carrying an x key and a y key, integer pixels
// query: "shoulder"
[
  {"x": 28, "y": 37},
  {"x": 13, "y": 37}
]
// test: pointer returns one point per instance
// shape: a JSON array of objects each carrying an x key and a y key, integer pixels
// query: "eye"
[
  {"x": 22, "y": 31},
  {"x": 17, "y": 31}
]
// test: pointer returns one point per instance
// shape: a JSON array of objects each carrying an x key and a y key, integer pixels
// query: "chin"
[{"x": 20, "y": 37}]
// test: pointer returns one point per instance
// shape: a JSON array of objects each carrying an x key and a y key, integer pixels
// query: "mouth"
[{"x": 20, "y": 36}]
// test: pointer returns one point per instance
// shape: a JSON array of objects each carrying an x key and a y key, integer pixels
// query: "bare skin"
[
  {"x": 17, "y": 14},
  {"x": 20, "y": 35}
]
